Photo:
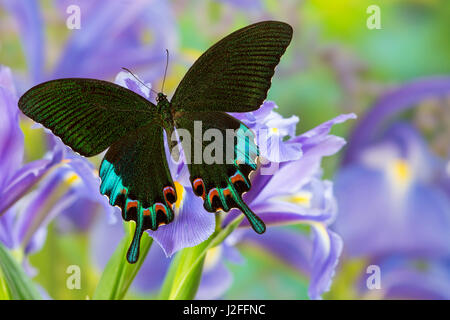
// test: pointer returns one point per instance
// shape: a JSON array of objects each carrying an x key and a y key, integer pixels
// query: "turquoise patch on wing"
[
  {"x": 246, "y": 150},
  {"x": 145, "y": 218}
]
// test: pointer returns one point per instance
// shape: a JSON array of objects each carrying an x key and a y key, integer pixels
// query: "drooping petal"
[
  {"x": 11, "y": 136},
  {"x": 38, "y": 209},
  {"x": 326, "y": 251},
  {"x": 23, "y": 180},
  {"x": 191, "y": 226}
]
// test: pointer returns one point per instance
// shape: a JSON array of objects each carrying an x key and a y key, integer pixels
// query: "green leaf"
[
  {"x": 4, "y": 292},
  {"x": 14, "y": 282},
  {"x": 183, "y": 278},
  {"x": 118, "y": 274},
  {"x": 184, "y": 275}
]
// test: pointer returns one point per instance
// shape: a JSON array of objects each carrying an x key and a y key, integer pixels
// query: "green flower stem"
[
  {"x": 184, "y": 275},
  {"x": 4, "y": 292},
  {"x": 343, "y": 287},
  {"x": 118, "y": 274},
  {"x": 14, "y": 282}
]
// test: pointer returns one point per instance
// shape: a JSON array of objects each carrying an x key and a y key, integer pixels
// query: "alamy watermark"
[
  {"x": 374, "y": 280},
  {"x": 229, "y": 146},
  {"x": 73, "y": 281},
  {"x": 374, "y": 20},
  {"x": 73, "y": 21}
]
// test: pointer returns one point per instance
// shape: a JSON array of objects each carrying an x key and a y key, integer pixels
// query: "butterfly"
[{"x": 90, "y": 116}]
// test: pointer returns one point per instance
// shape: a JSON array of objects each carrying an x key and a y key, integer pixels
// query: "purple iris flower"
[
  {"x": 295, "y": 193},
  {"x": 408, "y": 278},
  {"x": 271, "y": 131},
  {"x": 65, "y": 181},
  {"x": 393, "y": 197},
  {"x": 18, "y": 228},
  {"x": 245, "y": 4},
  {"x": 82, "y": 202},
  {"x": 132, "y": 34}
]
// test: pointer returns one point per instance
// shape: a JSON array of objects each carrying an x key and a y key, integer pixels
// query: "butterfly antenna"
[
  {"x": 165, "y": 71},
  {"x": 127, "y": 70}
]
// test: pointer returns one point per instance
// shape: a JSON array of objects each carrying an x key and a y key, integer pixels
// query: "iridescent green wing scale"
[
  {"x": 220, "y": 165},
  {"x": 87, "y": 114},
  {"x": 135, "y": 176},
  {"x": 235, "y": 74},
  {"x": 91, "y": 115}
]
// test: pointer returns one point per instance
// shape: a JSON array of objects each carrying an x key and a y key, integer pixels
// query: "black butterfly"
[{"x": 91, "y": 115}]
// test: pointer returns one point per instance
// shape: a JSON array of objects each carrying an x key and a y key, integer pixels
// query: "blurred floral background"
[{"x": 359, "y": 209}]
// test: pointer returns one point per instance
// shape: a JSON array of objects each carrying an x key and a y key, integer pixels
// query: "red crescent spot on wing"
[
  {"x": 132, "y": 204},
  {"x": 199, "y": 183},
  {"x": 212, "y": 194},
  {"x": 169, "y": 191},
  {"x": 160, "y": 206},
  {"x": 237, "y": 177},
  {"x": 147, "y": 212},
  {"x": 226, "y": 192}
]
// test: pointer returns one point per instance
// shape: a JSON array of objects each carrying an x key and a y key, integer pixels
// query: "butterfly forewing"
[
  {"x": 87, "y": 114},
  {"x": 235, "y": 74}
]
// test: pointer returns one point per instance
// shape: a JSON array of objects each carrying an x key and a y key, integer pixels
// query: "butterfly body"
[{"x": 92, "y": 115}]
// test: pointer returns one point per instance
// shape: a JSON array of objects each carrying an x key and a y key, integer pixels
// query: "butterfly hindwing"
[
  {"x": 235, "y": 74},
  {"x": 220, "y": 168},
  {"x": 135, "y": 176},
  {"x": 87, "y": 114}
]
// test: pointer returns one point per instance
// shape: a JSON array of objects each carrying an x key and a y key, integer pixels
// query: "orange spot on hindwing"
[
  {"x": 169, "y": 195},
  {"x": 161, "y": 213},
  {"x": 199, "y": 188}
]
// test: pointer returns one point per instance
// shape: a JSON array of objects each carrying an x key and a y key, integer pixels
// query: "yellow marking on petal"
[
  {"x": 274, "y": 130},
  {"x": 180, "y": 194},
  {"x": 72, "y": 179},
  {"x": 147, "y": 37},
  {"x": 212, "y": 257},
  {"x": 302, "y": 198},
  {"x": 402, "y": 171},
  {"x": 321, "y": 233}
]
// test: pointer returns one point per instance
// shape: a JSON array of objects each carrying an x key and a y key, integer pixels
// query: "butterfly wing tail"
[{"x": 257, "y": 224}]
